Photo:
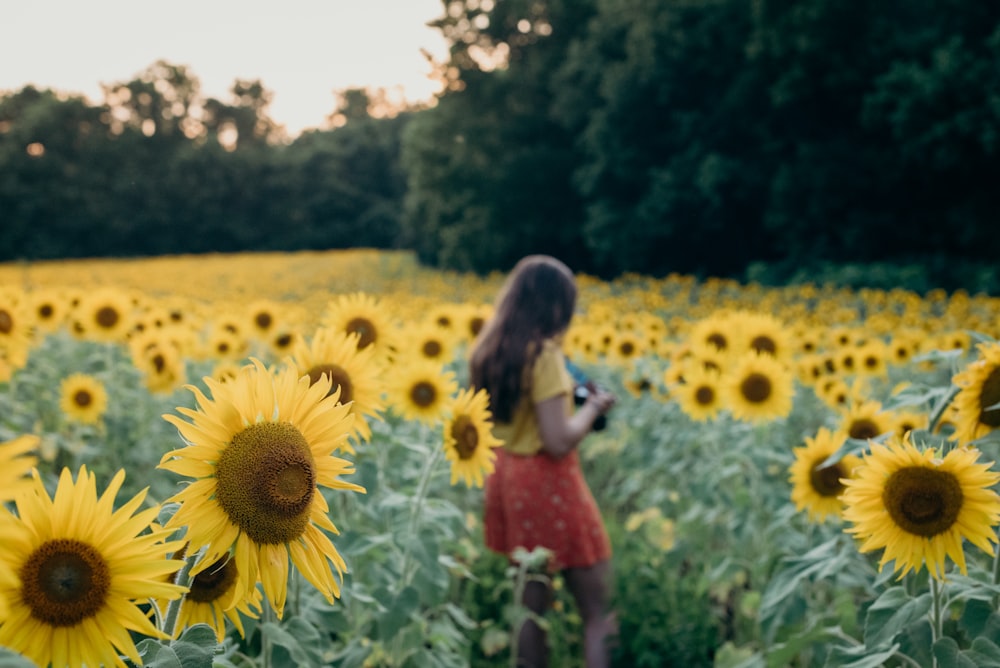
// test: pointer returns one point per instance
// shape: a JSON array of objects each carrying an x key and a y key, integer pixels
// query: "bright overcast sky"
[{"x": 302, "y": 50}]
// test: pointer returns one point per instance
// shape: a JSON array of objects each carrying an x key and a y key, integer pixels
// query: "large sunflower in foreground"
[
  {"x": 817, "y": 488},
  {"x": 758, "y": 387},
  {"x": 918, "y": 507},
  {"x": 258, "y": 450},
  {"x": 976, "y": 405},
  {"x": 81, "y": 566},
  {"x": 352, "y": 369},
  {"x": 468, "y": 439}
]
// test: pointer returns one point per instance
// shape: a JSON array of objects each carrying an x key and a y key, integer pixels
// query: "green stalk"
[
  {"x": 418, "y": 504},
  {"x": 937, "y": 623},
  {"x": 174, "y": 608}
]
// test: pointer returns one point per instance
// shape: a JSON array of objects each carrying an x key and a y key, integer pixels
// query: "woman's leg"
[
  {"x": 532, "y": 649},
  {"x": 591, "y": 587}
]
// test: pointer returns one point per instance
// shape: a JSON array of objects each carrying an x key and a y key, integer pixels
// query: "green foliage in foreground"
[{"x": 746, "y": 581}]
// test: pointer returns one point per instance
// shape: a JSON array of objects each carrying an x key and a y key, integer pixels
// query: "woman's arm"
[{"x": 561, "y": 432}]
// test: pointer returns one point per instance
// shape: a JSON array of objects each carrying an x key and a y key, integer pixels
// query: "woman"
[{"x": 537, "y": 497}]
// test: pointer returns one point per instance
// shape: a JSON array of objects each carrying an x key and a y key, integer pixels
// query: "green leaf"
[
  {"x": 867, "y": 658},
  {"x": 975, "y": 617},
  {"x": 398, "y": 614},
  {"x": 299, "y": 638},
  {"x": 893, "y": 611},
  {"x": 157, "y": 655},
  {"x": 787, "y": 580},
  {"x": 984, "y": 653},
  {"x": 783, "y": 654},
  {"x": 11, "y": 659},
  {"x": 949, "y": 656}
]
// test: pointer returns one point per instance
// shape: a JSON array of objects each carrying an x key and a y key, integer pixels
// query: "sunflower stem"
[
  {"x": 415, "y": 510},
  {"x": 937, "y": 627},
  {"x": 267, "y": 617},
  {"x": 174, "y": 608},
  {"x": 942, "y": 407},
  {"x": 996, "y": 574}
]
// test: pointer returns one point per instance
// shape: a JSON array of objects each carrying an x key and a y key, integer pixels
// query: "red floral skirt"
[{"x": 540, "y": 501}]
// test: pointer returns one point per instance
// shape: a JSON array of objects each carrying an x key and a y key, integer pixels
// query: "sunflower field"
[{"x": 275, "y": 459}]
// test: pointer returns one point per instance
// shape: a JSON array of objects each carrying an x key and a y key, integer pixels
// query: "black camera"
[
  {"x": 580, "y": 394},
  {"x": 583, "y": 386}
]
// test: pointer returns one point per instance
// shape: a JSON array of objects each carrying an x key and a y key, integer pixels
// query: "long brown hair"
[{"x": 535, "y": 304}]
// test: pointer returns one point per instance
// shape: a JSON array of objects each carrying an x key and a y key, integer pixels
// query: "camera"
[
  {"x": 583, "y": 386},
  {"x": 580, "y": 394}
]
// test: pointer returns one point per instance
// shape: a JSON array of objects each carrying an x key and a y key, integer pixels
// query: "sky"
[{"x": 301, "y": 50}]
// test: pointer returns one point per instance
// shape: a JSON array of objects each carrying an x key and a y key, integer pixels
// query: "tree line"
[{"x": 768, "y": 139}]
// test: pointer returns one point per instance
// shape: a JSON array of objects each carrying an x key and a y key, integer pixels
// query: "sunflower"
[
  {"x": 365, "y": 316},
  {"x": 758, "y": 387},
  {"x": 160, "y": 362},
  {"x": 264, "y": 316},
  {"x": 976, "y": 405},
  {"x": 626, "y": 347},
  {"x": 82, "y": 398},
  {"x": 872, "y": 358},
  {"x": 104, "y": 315},
  {"x": 15, "y": 464},
  {"x": 80, "y": 568},
  {"x": 429, "y": 341},
  {"x": 210, "y": 600},
  {"x": 421, "y": 390},
  {"x": 866, "y": 420},
  {"x": 716, "y": 330},
  {"x": 50, "y": 309},
  {"x": 764, "y": 334},
  {"x": 279, "y": 431},
  {"x": 352, "y": 371},
  {"x": 473, "y": 318},
  {"x": 698, "y": 396},
  {"x": 15, "y": 328},
  {"x": 918, "y": 506},
  {"x": 468, "y": 439},
  {"x": 817, "y": 488}
]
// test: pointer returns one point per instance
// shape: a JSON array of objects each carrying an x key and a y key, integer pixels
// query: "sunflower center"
[
  {"x": 989, "y": 396},
  {"x": 266, "y": 480},
  {"x": 283, "y": 341},
  {"x": 82, "y": 398},
  {"x": 466, "y": 436},
  {"x": 717, "y": 340},
  {"x": 213, "y": 582},
  {"x": 65, "y": 581},
  {"x": 764, "y": 344},
  {"x": 863, "y": 429},
  {"x": 263, "y": 320},
  {"x": 107, "y": 317},
  {"x": 364, "y": 328},
  {"x": 340, "y": 379},
  {"x": 704, "y": 395},
  {"x": 431, "y": 349},
  {"x": 476, "y": 325},
  {"x": 626, "y": 349},
  {"x": 922, "y": 501},
  {"x": 159, "y": 363},
  {"x": 423, "y": 394},
  {"x": 756, "y": 388},
  {"x": 45, "y": 311},
  {"x": 6, "y": 322},
  {"x": 825, "y": 480}
]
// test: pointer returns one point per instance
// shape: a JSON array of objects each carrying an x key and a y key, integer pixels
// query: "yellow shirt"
[{"x": 549, "y": 378}]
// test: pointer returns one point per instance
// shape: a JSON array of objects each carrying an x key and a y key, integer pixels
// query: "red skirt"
[{"x": 540, "y": 501}]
